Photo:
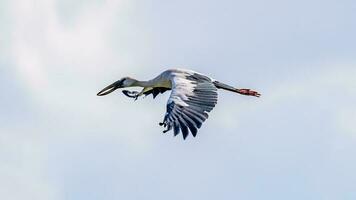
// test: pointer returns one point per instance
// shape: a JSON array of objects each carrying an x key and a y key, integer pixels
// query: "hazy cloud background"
[{"x": 60, "y": 141}]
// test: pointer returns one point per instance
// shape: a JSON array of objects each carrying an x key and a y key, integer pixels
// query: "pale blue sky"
[{"x": 59, "y": 141}]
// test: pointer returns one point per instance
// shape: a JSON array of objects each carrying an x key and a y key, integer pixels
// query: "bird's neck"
[{"x": 143, "y": 83}]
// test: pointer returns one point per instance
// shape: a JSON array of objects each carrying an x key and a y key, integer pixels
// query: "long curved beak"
[{"x": 109, "y": 89}]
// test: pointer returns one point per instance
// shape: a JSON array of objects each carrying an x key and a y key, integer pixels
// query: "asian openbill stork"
[{"x": 193, "y": 96}]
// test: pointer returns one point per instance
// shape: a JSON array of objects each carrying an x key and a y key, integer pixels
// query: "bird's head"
[{"x": 122, "y": 83}]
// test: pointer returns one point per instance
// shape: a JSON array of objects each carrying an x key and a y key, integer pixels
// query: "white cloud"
[
  {"x": 58, "y": 65},
  {"x": 23, "y": 168},
  {"x": 43, "y": 47},
  {"x": 346, "y": 121}
]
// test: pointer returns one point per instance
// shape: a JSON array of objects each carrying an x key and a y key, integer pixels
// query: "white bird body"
[{"x": 193, "y": 96}]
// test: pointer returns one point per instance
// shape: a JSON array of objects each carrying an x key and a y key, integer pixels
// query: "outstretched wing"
[{"x": 193, "y": 96}]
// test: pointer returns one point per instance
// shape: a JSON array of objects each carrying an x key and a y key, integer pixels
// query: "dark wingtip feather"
[
  {"x": 176, "y": 129},
  {"x": 184, "y": 129},
  {"x": 194, "y": 132}
]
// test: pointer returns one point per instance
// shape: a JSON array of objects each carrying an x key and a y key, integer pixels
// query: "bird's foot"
[
  {"x": 131, "y": 94},
  {"x": 248, "y": 92},
  {"x": 165, "y": 125}
]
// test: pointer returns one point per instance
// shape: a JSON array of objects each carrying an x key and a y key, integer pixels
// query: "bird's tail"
[{"x": 247, "y": 92}]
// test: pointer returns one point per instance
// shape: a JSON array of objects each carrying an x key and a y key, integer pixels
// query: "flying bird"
[{"x": 193, "y": 96}]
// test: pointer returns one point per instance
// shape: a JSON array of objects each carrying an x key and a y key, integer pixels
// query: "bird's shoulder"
[
  {"x": 179, "y": 71},
  {"x": 185, "y": 74}
]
